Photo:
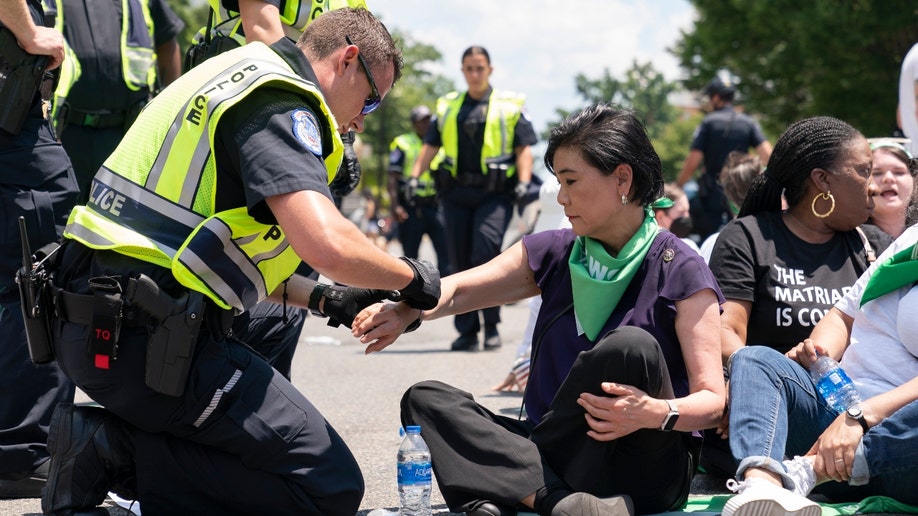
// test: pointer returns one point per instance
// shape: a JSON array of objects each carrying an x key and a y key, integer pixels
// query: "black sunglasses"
[{"x": 374, "y": 100}]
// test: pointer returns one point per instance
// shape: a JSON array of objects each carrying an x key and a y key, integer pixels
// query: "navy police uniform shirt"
[
  {"x": 271, "y": 144},
  {"x": 93, "y": 30},
  {"x": 723, "y": 131}
]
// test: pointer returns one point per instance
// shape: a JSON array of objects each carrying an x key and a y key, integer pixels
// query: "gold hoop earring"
[
  {"x": 826, "y": 197},
  {"x": 624, "y": 200}
]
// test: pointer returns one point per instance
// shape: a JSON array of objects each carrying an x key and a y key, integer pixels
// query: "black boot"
[{"x": 91, "y": 452}]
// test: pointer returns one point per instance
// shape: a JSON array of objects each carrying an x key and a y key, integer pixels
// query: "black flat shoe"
[
  {"x": 28, "y": 487},
  {"x": 465, "y": 343}
]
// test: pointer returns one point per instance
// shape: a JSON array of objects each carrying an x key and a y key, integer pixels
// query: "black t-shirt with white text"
[{"x": 791, "y": 283}]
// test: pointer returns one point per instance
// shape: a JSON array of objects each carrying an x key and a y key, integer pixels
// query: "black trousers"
[
  {"x": 425, "y": 219},
  {"x": 37, "y": 183},
  {"x": 478, "y": 455},
  {"x": 475, "y": 225},
  {"x": 264, "y": 448}
]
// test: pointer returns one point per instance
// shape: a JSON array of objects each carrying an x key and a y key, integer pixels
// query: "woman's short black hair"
[{"x": 607, "y": 136}]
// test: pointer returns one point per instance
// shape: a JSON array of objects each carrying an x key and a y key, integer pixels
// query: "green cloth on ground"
[{"x": 870, "y": 505}]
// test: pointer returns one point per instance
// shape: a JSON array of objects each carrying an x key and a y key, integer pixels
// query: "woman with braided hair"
[{"x": 782, "y": 270}]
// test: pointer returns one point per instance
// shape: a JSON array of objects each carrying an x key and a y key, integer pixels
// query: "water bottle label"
[{"x": 414, "y": 473}]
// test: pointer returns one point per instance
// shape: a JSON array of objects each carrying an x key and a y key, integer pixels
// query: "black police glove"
[
  {"x": 424, "y": 290},
  {"x": 348, "y": 175},
  {"x": 343, "y": 303},
  {"x": 410, "y": 191}
]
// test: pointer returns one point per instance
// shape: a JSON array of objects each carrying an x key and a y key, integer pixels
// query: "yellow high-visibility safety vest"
[
  {"x": 294, "y": 17},
  {"x": 70, "y": 70},
  {"x": 504, "y": 110},
  {"x": 154, "y": 197},
  {"x": 410, "y": 144}
]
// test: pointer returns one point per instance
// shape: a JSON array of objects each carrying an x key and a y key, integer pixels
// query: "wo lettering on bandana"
[{"x": 599, "y": 280}]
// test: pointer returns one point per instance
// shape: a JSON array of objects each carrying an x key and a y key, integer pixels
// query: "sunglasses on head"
[
  {"x": 374, "y": 100},
  {"x": 897, "y": 144}
]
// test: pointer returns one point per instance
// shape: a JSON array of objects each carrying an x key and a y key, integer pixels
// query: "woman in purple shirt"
[{"x": 626, "y": 349}]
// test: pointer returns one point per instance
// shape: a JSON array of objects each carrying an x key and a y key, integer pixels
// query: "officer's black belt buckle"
[
  {"x": 96, "y": 119},
  {"x": 105, "y": 326},
  {"x": 472, "y": 180},
  {"x": 425, "y": 202}
]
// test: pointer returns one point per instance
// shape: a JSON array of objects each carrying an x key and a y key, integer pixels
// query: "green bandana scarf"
[
  {"x": 598, "y": 280},
  {"x": 898, "y": 271}
]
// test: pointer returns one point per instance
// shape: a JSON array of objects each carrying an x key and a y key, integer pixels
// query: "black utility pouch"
[
  {"x": 20, "y": 76},
  {"x": 106, "y": 319},
  {"x": 496, "y": 178},
  {"x": 171, "y": 346},
  {"x": 35, "y": 296}
]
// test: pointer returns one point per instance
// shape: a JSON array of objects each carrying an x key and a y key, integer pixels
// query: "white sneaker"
[
  {"x": 759, "y": 497},
  {"x": 800, "y": 469}
]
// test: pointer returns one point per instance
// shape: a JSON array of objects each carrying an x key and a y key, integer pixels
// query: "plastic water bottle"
[
  {"x": 414, "y": 474},
  {"x": 833, "y": 384}
]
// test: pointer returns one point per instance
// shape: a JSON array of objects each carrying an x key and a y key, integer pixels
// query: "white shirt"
[{"x": 884, "y": 337}]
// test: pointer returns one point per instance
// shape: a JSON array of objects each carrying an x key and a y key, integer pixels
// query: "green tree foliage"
[
  {"x": 672, "y": 144},
  {"x": 647, "y": 91},
  {"x": 798, "y": 59},
  {"x": 194, "y": 16},
  {"x": 643, "y": 89}
]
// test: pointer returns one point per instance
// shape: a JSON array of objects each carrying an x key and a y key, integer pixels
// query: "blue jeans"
[{"x": 776, "y": 412}]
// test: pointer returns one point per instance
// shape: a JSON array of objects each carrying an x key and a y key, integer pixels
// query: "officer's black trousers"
[
  {"x": 478, "y": 455},
  {"x": 36, "y": 182},
  {"x": 475, "y": 225},
  {"x": 264, "y": 449},
  {"x": 425, "y": 220}
]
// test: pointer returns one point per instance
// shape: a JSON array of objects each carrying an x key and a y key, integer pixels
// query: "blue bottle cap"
[{"x": 413, "y": 429}]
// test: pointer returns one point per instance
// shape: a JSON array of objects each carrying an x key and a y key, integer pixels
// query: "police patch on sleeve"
[{"x": 306, "y": 130}]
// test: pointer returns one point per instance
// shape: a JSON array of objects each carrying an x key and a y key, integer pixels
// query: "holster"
[
  {"x": 170, "y": 347},
  {"x": 204, "y": 50},
  {"x": 21, "y": 75}
]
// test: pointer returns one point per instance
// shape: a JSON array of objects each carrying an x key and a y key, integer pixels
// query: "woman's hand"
[
  {"x": 834, "y": 450},
  {"x": 623, "y": 411},
  {"x": 806, "y": 353},
  {"x": 380, "y": 324}
]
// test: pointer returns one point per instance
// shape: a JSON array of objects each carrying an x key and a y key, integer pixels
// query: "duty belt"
[
  {"x": 475, "y": 180},
  {"x": 78, "y": 309},
  {"x": 96, "y": 119}
]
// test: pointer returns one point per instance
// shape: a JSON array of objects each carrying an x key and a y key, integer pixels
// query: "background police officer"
[
  {"x": 36, "y": 182},
  {"x": 124, "y": 51},
  {"x": 421, "y": 214},
  {"x": 224, "y": 208},
  {"x": 721, "y": 131},
  {"x": 486, "y": 168}
]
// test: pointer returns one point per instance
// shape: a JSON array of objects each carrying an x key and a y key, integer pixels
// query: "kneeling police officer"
[{"x": 216, "y": 194}]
